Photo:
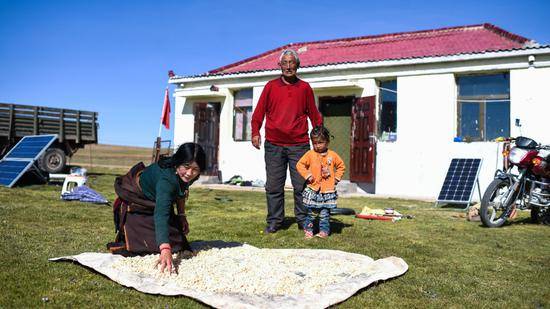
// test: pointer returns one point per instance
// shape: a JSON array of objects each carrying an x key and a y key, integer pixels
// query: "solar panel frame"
[
  {"x": 23, "y": 149},
  {"x": 23, "y": 152},
  {"x": 460, "y": 181},
  {"x": 6, "y": 172}
]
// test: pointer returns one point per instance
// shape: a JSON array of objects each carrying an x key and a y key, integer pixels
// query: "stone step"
[
  {"x": 208, "y": 180},
  {"x": 346, "y": 187}
]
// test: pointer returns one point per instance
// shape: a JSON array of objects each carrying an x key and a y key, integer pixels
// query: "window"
[
  {"x": 242, "y": 114},
  {"x": 388, "y": 110},
  {"x": 483, "y": 106}
]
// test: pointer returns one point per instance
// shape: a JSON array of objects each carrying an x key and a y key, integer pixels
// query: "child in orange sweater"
[{"x": 323, "y": 169}]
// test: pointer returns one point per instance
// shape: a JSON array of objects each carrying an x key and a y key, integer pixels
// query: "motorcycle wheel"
[
  {"x": 540, "y": 215},
  {"x": 535, "y": 215},
  {"x": 492, "y": 212}
]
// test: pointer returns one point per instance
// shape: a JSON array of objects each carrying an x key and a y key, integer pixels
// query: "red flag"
[{"x": 165, "y": 117}]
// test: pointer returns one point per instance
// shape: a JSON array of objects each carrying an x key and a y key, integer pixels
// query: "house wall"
[
  {"x": 183, "y": 121},
  {"x": 234, "y": 157},
  {"x": 239, "y": 157},
  {"x": 530, "y": 102},
  {"x": 415, "y": 165}
]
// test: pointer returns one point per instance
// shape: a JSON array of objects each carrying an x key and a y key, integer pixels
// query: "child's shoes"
[
  {"x": 322, "y": 234},
  {"x": 308, "y": 234}
]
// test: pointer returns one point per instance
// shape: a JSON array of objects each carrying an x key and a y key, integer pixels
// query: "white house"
[{"x": 400, "y": 106}]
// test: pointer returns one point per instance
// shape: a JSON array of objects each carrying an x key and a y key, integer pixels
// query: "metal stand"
[
  {"x": 157, "y": 155},
  {"x": 478, "y": 191},
  {"x": 156, "y": 151},
  {"x": 39, "y": 173}
]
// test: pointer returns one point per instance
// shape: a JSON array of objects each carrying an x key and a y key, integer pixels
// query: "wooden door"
[
  {"x": 207, "y": 133},
  {"x": 363, "y": 144}
]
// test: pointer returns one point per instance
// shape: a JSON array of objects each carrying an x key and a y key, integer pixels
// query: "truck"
[{"x": 74, "y": 129}]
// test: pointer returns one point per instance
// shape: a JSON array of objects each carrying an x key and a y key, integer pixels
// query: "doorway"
[
  {"x": 336, "y": 113},
  {"x": 363, "y": 141},
  {"x": 207, "y": 133}
]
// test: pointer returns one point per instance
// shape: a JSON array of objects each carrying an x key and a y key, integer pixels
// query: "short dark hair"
[
  {"x": 186, "y": 153},
  {"x": 320, "y": 132}
]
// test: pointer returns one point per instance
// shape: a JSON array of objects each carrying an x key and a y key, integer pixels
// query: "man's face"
[{"x": 288, "y": 66}]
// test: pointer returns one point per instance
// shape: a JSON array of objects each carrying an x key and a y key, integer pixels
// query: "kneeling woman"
[{"x": 144, "y": 212}]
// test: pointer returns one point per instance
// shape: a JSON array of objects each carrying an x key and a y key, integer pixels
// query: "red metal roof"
[{"x": 427, "y": 43}]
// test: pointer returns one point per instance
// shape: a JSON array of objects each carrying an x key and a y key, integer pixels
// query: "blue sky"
[{"x": 113, "y": 56}]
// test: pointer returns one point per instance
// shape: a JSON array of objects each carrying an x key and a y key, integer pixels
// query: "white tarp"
[{"x": 371, "y": 271}]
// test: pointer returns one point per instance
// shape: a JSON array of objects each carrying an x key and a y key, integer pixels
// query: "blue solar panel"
[
  {"x": 10, "y": 171},
  {"x": 460, "y": 181},
  {"x": 30, "y": 146},
  {"x": 22, "y": 156}
]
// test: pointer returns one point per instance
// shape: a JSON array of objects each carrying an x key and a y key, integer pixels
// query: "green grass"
[
  {"x": 111, "y": 156},
  {"x": 452, "y": 262}
]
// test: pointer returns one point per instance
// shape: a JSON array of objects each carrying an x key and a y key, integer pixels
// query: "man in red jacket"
[{"x": 286, "y": 103}]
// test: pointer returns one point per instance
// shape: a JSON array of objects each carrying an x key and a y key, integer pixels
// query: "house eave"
[{"x": 370, "y": 64}]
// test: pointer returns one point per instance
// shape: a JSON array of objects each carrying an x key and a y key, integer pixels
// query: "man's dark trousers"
[{"x": 277, "y": 158}]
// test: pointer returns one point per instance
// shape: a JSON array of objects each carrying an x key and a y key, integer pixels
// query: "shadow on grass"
[
  {"x": 453, "y": 206},
  {"x": 336, "y": 226},
  {"x": 288, "y": 222},
  {"x": 514, "y": 222},
  {"x": 521, "y": 221},
  {"x": 207, "y": 244},
  {"x": 28, "y": 179}
]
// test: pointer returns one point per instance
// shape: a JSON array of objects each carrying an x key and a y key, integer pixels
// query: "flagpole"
[
  {"x": 156, "y": 154},
  {"x": 160, "y": 128}
]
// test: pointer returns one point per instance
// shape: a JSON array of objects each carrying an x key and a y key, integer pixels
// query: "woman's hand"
[
  {"x": 181, "y": 213},
  {"x": 311, "y": 179},
  {"x": 165, "y": 259},
  {"x": 184, "y": 224}
]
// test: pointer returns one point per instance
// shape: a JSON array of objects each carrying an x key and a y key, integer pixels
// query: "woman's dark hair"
[
  {"x": 321, "y": 133},
  {"x": 186, "y": 153}
]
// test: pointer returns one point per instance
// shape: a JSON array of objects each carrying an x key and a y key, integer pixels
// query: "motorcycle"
[{"x": 524, "y": 183}]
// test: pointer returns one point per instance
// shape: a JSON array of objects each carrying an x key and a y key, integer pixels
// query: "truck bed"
[{"x": 77, "y": 126}]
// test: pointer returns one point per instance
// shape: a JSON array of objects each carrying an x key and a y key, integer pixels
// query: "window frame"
[
  {"x": 482, "y": 100},
  {"x": 391, "y": 136},
  {"x": 246, "y": 112}
]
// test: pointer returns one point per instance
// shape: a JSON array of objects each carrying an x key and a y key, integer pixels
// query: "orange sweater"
[{"x": 310, "y": 165}]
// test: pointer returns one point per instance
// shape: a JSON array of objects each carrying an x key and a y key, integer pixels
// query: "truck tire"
[{"x": 53, "y": 161}]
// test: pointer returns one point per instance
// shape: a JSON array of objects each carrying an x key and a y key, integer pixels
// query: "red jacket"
[{"x": 286, "y": 108}]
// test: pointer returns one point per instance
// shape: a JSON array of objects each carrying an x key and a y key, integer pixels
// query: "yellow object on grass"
[{"x": 368, "y": 211}]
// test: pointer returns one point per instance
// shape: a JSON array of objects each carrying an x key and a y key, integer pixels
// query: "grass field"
[
  {"x": 110, "y": 156},
  {"x": 452, "y": 262}
]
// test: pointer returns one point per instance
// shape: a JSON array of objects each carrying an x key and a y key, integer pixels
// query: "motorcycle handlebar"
[{"x": 513, "y": 139}]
